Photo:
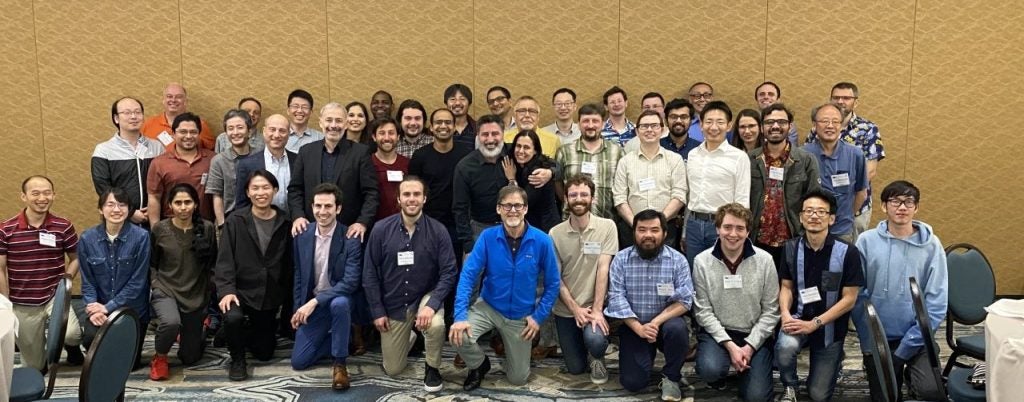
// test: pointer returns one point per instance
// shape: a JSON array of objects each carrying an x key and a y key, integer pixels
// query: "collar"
[
  {"x": 583, "y": 149},
  {"x": 748, "y": 250},
  {"x": 200, "y": 153},
  {"x": 102, "y": 228},
  {"x": 269, "y": 156},
  {"x": 634, "y": 254},
  {"x": 329, "y": 233},
  {"x": 23, "y": 220}
]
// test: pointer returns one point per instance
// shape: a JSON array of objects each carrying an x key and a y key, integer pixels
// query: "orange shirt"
[{"x": 155, "y": 125}]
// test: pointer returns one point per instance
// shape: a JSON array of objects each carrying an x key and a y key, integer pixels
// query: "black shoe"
[
  {"x": 432, "y": 381},
  {"x": 238, "y": 370},
  {"x": 75, "y": 356},
  {"x": 475, "y": 376}
]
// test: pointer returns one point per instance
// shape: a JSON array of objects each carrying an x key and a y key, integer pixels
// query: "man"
[
  {"x": 175, "y": 102},
  {"x": 901, "y": 247},
  {"x": 300, "y": 106},
  {"x": 123, "y": 160},
  {"x": 412, "y": 136},
  {"x": 527, "y": 112},
  {"x": 650, "y": 178},
  {"x": 328, "y": 268},
  {"x": 253, "y": 260},
  {"x": 564, "y": 102},
  {"x": 184, "y": 162},
  {"x": 390, "y": 167},
  {"x": 593, "y": 156},
  {"x": 718, "y": 174},
  {"x": 821, "y": 276},
  {"x": 408, "y": 272},
  {"x": 767, "y": 94},
  {"x": 737, "y": 307},
  {"x": 863, "y": 134},
  {"x": 254, "y": 108},
  {"x": 842, "y": 168},
  {"x": 220, "y": 183},
  {"x": 585, "y": 245},
  {"x": 499, "y": 103},
  {"x": 33, "y": 245},
  {"x": 650, "y": 290},
  {"x": 381, "y": 104},
  {"x": 617, "y": 128},
  {"x": 458, "y": 98},
  {"x": 337, "y": 160},
  {"x": 435, "y": 166},
  {"x": 677, "y": 117},
  {"x": 700, "y": 94},
  {"x": 511, "y": 258},
  {"x": 653, "y": 101},
  {"x": 274, "y": 158},
  {"x": 780, "y": 174}
]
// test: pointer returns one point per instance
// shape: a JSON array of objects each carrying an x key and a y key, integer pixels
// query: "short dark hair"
[
  {"x": 736, "y": 210},
  {"x": 564, "y": 90},
  {"x": 821, "y": 195},
  {"x": 120, "y": 195},
  {"x": 580, "y": 179},
  {"x": 650, "y": 95},
  {"x": 250, "y": 99},
  {"x": 372, "y": 126},
  {"x": 302, "y": 94},
  {"x": 240, "y": 114},
  {"x": 414, "y": 178},
  {"x": 778, "y": 92},
  {"x": 592, "y": 108},
  {"x": 488, "y": 119},
  {"x": 774, "y": 107},
  {"x": 264, "y": 173},
  {"x": 504, "y": 91},
  {"x": 646, "y": 113},
  {"x": 534, "y": 138},
  {"x": 717, "y": 105},
  {"x": 647, "y": 215},
  {"x": 457, "y": 88},
  {"x": 35, "y": 176},
  {"x": 406, "y": 105},
  {"x": 113, "y": 109},
  {"x": 846, "y": 85},
  {"x": 506, "y": 191},
  {"x": 188, "y": 116},
  {"x": 679, "y": 103},
  {"x": 612, "y": 91},
  {"x": 901, "y": 187},
  {"x": 328, "y": 188}
]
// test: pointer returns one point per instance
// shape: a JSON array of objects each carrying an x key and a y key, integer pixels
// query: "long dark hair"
[
  {"x": 737, "y": 140},
  {"x": 539, "y": 159},
  {"x": 365, "y": 137},
  {"x": 204, "y": 246}
]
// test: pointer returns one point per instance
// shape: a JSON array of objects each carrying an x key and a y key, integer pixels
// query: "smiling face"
[
  {"x": 749, "y": 129},
  {"x": 524, "y": 150},
  {"x": 732, "y": 233},
  {"x": 325, "y": 210},
  {"x": 715, "y": 125},
  {"x": 649, "y": 129},
  {"x": 186, "y": 136},
  {"x": 38, "y": 195},
  {"x": 515, "y": 215},
  {"x": 254, "y": 110},
  {"x": 579, "y": 199},
  {"x": 175, "y": 101},
  {"x": 275, "y": 132},
  {"x": 776, "y": 127},
  {"x": 260, "y": 192},
  {"x": 332, "y": 121},
  {"x": 564, "y": 106},
  {"x": 826, "y": 124},
  {"x": 412, "y": 122},
  {"x": 129, "y": 115},
  {"x": 654, "y": 103},
  {"x": 113, "y": 211},
  {"x": 766, "y": 95},
  {"x": 458, "y": 104},
  {"x": 678, "y": 122},
  {"x": 442, "y": 125},
  {"x": 591, "y": 126},
  {"x": 356, "y": 119},
  {"x": 700, "y": 96},
  {"x": 616, "y": 104},
  {"x": 411, "y": 198},
  {"x": 527, "y": 112},
  {"x": 380, "y": 105},
  {"x": 386, "y": 137},
  {"x": 815, "y": 216},
  {"x": 299, "y": 110},
  {"x": 498, "y": 103},
  {"x": 237, "y": 131},
  {"x": 490, "y": 138},
  {"x": 648, "y": 236}
]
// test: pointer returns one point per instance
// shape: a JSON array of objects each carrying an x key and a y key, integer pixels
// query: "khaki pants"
[
  {"x": 31, "y": 341},
  {"x": 395, "y": 343},
  {"x": 483, "y": 318},
  {"x": 861, "y": 223}
]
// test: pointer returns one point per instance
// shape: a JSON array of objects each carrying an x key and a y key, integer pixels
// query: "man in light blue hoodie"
[{"x": 898, "y": 249}]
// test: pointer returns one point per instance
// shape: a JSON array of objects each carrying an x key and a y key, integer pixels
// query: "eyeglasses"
[
  {"x": 772, "y": 122},
  {"x": 578, "y": 195},
  {"x": 679, "y": 117},
  {"x": 512, "y": 207},
  {"x": 649, "y": 126},
  {"x": 528, "y": 111},
  {"x": 703, "y": 95},
  {"x": 560, "y": 105},
  {"x": 844, "y": 98},
  {"x": 497, "y": 100},
  {"x": 297, "y": 107},
  {"x": 186, "y": 132},
  {"x": 896, "y": 202},
  {"x": 130, "y": 113},
  {"x": 115, "y": 205},
  {"x": 444, "y": 122},
  {"x": 827, "y": 123},
  {"x": 815, "y": 212}
]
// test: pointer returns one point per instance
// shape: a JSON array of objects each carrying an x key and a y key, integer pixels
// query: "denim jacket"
[{"x": 116, "y": 273}]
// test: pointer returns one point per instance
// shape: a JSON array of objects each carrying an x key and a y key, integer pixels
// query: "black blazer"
[
  {"x": 259, "y": 280},
  {"x": 354, "y": 174},
  {"x": 251, "y": 163}
]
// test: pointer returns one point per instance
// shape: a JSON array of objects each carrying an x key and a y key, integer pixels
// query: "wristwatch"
[{"x": 817, "y": 321}]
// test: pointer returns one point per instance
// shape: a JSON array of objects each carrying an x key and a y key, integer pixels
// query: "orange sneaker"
[{"x": 158, "y": 370}]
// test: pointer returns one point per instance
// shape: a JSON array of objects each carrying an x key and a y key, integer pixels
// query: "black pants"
[{"x": 255, "y": 334}]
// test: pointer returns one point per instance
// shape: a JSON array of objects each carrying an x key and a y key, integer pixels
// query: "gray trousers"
[
  {"x": 483, "y": 318},
  {"x": 171, "y": 321}
]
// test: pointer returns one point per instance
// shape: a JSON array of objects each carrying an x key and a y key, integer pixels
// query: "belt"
[{"x": 701, "y": 216}]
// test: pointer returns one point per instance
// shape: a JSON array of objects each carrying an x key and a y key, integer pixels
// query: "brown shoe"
[
  {"x": 340, "y": 378},
  {"x": 358, "y": 341},
  {"x": 542, "y": 352},
  {"x": 497, "y": 345},
  {"x": 459, "y": 363}
]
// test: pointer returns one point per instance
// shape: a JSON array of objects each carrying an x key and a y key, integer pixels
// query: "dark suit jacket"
[
  {"x": 354, "y": 175},
  {"x": 258, "y": 279},
  {"x": 251, "y": 163},
  {"x": 344, "y": 263}
]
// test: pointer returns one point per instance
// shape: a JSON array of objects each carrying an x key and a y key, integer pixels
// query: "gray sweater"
[{"x": 752, "y": 309}]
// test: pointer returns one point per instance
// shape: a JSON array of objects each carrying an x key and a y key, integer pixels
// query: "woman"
[
  {"x": 184, "y": 251},
  {"x": 221, "y": 180},
  {"x": 114, "y": 258},
  {"x": 748, "y": 130},
  {"x": 356, "y": 120},
  {"x": 527, "y": 156}
]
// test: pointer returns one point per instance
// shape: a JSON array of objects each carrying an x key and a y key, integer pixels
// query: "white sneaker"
[
  {"x": 598, "y": 372},
  {"x": 670, "y": 390},
  {"x": 789, "y": 395}
]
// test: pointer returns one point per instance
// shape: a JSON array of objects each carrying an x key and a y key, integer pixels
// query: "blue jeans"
[
  {"x": 326, "y": 331},
  {"x": 577, "y": 342},
  {"x": 713, "y": 364},
  {"x": 825, "y": 363},
  {"x": 636, "y": 355},
  {"x": 700, "y": 235}
]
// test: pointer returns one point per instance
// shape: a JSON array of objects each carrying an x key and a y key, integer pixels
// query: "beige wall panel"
[
  {"x": 264, "y": 49},
  {"x": 411, "y": 49},
  {"x": 969, "y": 172},
  {"x": 535, "y": 47},
  {"x": 90, "y": 54},
  {"x": 21, "y": 138},
  {"x": 668, "y": 46}
]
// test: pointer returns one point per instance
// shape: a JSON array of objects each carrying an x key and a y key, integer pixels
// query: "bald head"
[
  {"x": 275, "y": 132},
  {"x": 175, "y": 100}
]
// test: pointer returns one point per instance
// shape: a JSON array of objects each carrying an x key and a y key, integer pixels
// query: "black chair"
[
  {"x": 27, "y": 383},
  {"x": 110, "y": 358},
  {"x": 881, "y": 357},
  {"x": 975, "y": 289},
  {"x": 959, "y": 388}
]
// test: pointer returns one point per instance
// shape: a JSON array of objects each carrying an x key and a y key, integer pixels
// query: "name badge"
[
  {"x": 202, "y": 181},
  {"x": 666, "y": 289},
  {"x": 47, "y": 239},
  {"x": 775, "y": 173},
  {"x": 405, "y": 257},
  {"x": 589, "y": 168},
  {"x": 165, "y": 138},
  {"x": 646, "y": 184},
  {"x": 839, "y": 180},
  {"x": 810, "y": 295},
  {"x": 394, "y": 175},
  {"x": 733, "y": 281},
  {"x": 591, "y": 248}
]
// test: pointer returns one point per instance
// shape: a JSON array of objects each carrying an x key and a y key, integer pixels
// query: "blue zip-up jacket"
[
  {"x": 510, "y": 287},
  {"x": 889, "y": 263},
  {"x": 116, "y": 273}
]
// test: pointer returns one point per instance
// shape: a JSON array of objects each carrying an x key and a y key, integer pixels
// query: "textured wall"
[{"x": 65, "y": 62}]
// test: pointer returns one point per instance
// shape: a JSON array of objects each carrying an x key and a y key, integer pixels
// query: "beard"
[
  {"x": 489, "y": 153},
  {"x": 649, "y": 253}
]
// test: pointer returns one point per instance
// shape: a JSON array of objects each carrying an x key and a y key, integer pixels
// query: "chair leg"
[{"x": 949, "y": 364}]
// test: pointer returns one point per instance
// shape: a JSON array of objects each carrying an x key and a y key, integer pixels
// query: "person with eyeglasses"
[
  {"x": 123, "y": 161},
  {"x": 527, "y": 114},
  {"x": 902, "y": 247},
  {"x": 499, "y": 103},
  {"x": 184, "y": 162},
  {"x": 821, "y": 276},
  {"x": 300, "y": 108},
  {"x": 617, "y": 128},
  {"x": 564, "y": 103},
  {"x": 700, "y": 93},
  {"x": 511, "y": 259},
  {"x": 769, "y": 93},
  {"x": 175, "y": 102},
  {"x": 841, "y": 167}
]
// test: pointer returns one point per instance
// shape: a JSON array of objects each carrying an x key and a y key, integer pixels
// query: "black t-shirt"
[{"x": 436, "y": 170}]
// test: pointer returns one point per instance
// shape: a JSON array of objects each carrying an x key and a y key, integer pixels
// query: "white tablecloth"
[
  {"x": 8, "y": 329},
  {"x": 1004, "y": 352}
]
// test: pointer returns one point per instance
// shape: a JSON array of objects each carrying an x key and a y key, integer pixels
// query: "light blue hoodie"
[{"x": 889, "y": 263}]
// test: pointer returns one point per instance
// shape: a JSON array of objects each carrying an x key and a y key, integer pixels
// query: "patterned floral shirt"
[{"x": 774, "y": 230}]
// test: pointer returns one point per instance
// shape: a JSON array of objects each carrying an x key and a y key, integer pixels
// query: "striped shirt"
[
  {"x": 34, "y": 269},
  {"x": 651, "y": 183},
  {"x": 642, "y": 289}
]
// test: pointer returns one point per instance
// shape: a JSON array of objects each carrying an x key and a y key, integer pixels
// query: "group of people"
[{"x": 683, "y": 225}]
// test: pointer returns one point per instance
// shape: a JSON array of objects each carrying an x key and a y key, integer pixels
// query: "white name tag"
[
  {"x": 733, "y": 281},
  {"x": 394, "y": 175},
  {"x": 202, "y": 181},
  {"x": 839, "y": 180},
  {"x": 646, "y": 184},
  {"x": 165, "y": 138},
  {"x": 666, "y": 289},
  {"x": 405, "y": 257},
  {"x": 776, "y": 173},
  {"x": 809, "y": 295},
  {"x": 591, "y": 248},
  {"x": 588, "y": 168},
  {"x": 47, "y": 239}
]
